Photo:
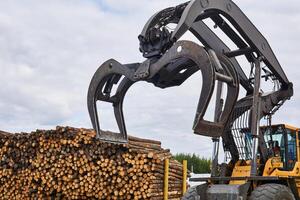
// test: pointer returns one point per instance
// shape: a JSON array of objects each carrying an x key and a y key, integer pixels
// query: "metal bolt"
[
  {"x": 263, "y": 46},
  {"x": 204, "y": 3},
  {"x": 229, "y": 7}
]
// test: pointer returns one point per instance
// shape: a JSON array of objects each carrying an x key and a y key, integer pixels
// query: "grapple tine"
[
  {"x": 216, "y": 129},
  {"x": 108, "y": 74}
]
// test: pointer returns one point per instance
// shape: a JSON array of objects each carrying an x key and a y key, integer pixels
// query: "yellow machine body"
[{"x": 274, "y": 166}]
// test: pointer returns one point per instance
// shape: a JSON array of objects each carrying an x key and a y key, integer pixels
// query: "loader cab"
[{"x": 281, "y": 141}]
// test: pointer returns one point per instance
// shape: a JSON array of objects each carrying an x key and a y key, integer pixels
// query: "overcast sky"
[{"x": 49, "y": 51}]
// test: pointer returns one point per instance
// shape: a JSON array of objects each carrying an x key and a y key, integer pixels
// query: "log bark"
[{"x": 70, "y": 163}]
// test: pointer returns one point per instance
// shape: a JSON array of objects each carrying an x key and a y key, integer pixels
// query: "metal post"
[
  {"x": 184, "y": 176},
  {"x": 255, "y": 116},
  {"x": 166, "y": 179},
  {"x": 216, "y": 141},
  {"x": 215, "y": 153},
  {"x": 218, "y": 110}
]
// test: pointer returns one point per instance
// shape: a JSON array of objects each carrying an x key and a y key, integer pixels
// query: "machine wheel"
[
  {"x": 272, "y": 191},
  {"x": 191, "y": 194}
]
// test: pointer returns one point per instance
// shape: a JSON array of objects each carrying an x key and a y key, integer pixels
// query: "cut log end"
[{"x": 71, "y": 163}]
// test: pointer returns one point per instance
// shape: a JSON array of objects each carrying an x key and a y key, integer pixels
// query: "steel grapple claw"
[{"x": 172, "y": 68}]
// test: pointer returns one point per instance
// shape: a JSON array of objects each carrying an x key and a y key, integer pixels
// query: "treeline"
[{"x": 196, "y": 164}]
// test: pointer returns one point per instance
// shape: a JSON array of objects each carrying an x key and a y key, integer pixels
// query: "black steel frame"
[{"x": 170, "y": 62}]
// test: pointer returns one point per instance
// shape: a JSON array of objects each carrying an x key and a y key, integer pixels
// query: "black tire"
[
  {"x": 191, "y": 194},
  {"x": 272, "y": 191}
]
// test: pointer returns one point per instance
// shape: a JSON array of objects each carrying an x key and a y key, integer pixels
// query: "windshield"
[
  {"x": 292, "y": 152},
  {"x": 277, "y": 140}
]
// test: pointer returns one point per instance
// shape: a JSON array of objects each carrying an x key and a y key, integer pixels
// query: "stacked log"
[{"x": 70, "y": 163}]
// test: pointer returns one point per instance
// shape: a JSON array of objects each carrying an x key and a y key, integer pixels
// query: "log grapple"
[{"x": 168, "y": 63}]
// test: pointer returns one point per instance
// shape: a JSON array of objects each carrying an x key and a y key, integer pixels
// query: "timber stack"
[{"x": 70, "y": 163}]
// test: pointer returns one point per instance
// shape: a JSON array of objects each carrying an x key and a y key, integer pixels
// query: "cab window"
[
  {"x": 281, "y": 142},
  {"x": 291, "y": 149}
]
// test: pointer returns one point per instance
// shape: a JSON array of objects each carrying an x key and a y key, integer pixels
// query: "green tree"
[{"x": 199, "y": 164}]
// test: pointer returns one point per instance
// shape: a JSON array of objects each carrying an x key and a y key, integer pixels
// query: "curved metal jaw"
[{"x": 176, "y": 65}]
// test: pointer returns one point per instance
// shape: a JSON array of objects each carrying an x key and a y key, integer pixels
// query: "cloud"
[{"x": 50, "y": 50}]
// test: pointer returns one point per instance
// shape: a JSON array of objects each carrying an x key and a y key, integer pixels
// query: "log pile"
[{"x": 70, "y": 163}]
